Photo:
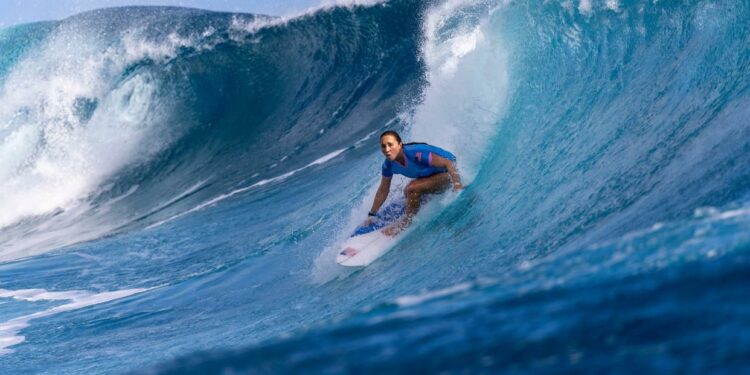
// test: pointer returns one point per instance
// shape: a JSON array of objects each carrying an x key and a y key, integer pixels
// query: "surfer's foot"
[
  {"x": 392, "y": 231},
  {"x": 396, "y": 228}
]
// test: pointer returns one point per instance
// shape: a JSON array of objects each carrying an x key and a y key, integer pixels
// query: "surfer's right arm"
[{"x": 381, "y": 195}]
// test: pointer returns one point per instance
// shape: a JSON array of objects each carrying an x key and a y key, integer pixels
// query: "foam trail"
[
  {"x": 222, "y": 197},
  {"x": 9, "y": 331},
  {"x": 412, "y": 300}
]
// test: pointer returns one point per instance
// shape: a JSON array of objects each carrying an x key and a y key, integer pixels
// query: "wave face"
[
  {"x": 123, "y": 117},
  {"x": 183, "y": 178}
]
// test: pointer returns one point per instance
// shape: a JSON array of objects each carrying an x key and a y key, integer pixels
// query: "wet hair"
[{"x": 391, "y": 133}]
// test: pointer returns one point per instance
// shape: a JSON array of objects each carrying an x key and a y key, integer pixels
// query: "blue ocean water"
[{"x": 175, "y": 184}]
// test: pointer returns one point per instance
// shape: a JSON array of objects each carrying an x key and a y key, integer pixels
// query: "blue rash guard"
[{"x": 418, "y": 161}]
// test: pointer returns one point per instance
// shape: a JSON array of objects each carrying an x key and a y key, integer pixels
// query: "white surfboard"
[
  {"x": 360, "y": 251},
  {"x": 368, "y": 242}
]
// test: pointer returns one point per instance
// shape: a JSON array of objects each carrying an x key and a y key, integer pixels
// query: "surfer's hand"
[{"x": 458, "y": 187}]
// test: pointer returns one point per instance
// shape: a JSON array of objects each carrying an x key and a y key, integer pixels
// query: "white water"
[{"x": 10, "y": 330}]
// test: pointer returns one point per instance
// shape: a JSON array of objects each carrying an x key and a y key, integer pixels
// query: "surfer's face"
[{"x": 390, "y": 147}]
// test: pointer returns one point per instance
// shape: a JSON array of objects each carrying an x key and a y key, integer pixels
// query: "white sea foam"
[
  {"x": 613, "y": 5},
  {"x": 70, "y": 120},
  {"x": 468, "y": 83},
  {"x": 241, "y": 27},
  {"x": 412, "y": 300},
  {"x": 9, "y": 330},
  {"x": 731, "y": 214},
  {"x": 585, "y": 7},
  {"x": 67, "y": 122},
  {"x": 348, "y": 3}
]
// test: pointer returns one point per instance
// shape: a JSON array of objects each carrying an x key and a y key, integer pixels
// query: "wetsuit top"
[{"x": 418, "y": 161}]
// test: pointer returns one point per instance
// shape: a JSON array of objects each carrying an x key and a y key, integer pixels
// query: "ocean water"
[{"x": 176, "y": 182}]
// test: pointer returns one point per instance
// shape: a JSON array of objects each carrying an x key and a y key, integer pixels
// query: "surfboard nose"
[
  {"x": 349, "y": 252},
  {"x": 346, "y": 254}
]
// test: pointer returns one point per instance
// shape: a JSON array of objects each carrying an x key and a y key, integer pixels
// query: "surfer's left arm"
[{"x": 441, "y": 162}]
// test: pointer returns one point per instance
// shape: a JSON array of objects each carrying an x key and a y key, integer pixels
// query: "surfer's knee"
[{"x": 411, "y": 190}]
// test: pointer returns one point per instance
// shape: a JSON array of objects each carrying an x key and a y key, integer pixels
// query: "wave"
[
  {"x": 128, "y": 107},
  {"x": 604, "y": 142},
  {"x": 579, "y": 310},
  {"x": 78, "y": 299},
  {"x": 624, "y": 114},
  {"x": 607, "y": 126}
]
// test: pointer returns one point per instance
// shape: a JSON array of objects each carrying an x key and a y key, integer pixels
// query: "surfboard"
[{"x": 368, "y": 243}]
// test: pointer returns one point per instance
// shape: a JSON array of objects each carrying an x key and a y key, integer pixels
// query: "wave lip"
[{"x": 73, "y": 113}]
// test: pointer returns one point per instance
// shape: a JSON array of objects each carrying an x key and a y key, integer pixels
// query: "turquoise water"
[{"x": 176, "y": 183}]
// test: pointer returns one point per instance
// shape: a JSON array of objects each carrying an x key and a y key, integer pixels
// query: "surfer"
[{"x": 432, "y": 168}]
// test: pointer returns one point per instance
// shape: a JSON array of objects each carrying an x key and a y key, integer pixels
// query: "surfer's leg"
[
  {"x": 417, "y": 188},
  {"x": 415, "y": 191}
]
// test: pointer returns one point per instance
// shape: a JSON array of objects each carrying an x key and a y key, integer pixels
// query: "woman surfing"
[{"x": 432, "y": 168}]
